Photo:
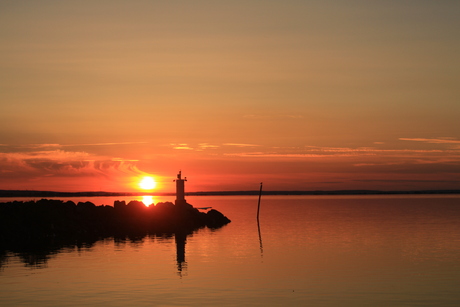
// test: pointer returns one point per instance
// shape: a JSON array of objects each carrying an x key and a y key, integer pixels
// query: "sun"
[{"x": 147, "y": 183}]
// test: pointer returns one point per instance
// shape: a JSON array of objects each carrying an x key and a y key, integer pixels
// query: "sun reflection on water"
[{"x": 148, "y": 200}]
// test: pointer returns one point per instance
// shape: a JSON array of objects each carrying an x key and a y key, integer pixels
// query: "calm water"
[{"x": 311, "y": 251}]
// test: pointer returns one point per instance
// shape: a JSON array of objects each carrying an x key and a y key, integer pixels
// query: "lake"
[{"x": 399, "y": 250}]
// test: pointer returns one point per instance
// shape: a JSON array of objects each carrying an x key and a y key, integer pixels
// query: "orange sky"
[{"x": 302, "y": 95}]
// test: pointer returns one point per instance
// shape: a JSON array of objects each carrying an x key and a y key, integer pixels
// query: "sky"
[{"x": 300, "y": 95}]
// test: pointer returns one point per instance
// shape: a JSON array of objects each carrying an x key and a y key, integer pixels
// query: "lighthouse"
[{"x": 180, "y": 193}]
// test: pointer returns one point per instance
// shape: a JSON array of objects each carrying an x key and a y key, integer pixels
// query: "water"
[{"x": 310, "y": 251}]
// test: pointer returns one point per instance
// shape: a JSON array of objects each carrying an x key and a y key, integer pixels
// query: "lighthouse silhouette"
[{"x": 180, "y": 193}]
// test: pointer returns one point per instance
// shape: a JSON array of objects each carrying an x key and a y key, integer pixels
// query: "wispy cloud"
[
  {"x": 203, "y": 146},
  {"x": 108, "y": 144},
  {"x": 367, "y": 156},
  {"x": 370, "y": 150},
  {"x": 45, "y": 145},
  {"x": 181, "y": 146},
  {"x": 275, "y": 155},
  {"x": 240, "y": 145},
  {"x": 406, "y": 180},
  {"x": 52, "y": 145},
  {"x": 55, "y": 155},
  {"x": 443, "y": 140},
  {"x": 268, "y": 116},
  {"x": 379, "y": 164}
]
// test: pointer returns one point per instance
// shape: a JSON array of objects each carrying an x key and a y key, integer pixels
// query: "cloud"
[
  {"x": 240, "y": 145},
  {"x": 370, "y": 150},
  {"x": 268, "y": 116},
  {"x": 406, "y": 180},
  {"x": 63, "y": 163},
  {"x": 275, "y": 155},
  {"x": 181, "y": 146},
  {"x": 443, "y": 140},
  {"x": 38, "y": 146},
  {"x": 197, "y": 147},
  {"x": 56, "y": 155},
  {"x": 361, "y": 157},
  {"x": 107, "y": 144},
  {"x": 366, "y": 164},
  {"x": 204, "y": 146}
]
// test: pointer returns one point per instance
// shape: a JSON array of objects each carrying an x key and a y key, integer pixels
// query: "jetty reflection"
[{"x": 36, "y": 254}]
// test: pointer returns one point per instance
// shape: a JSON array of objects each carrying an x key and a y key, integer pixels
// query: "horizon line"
[{"x": 41, "y": 193}]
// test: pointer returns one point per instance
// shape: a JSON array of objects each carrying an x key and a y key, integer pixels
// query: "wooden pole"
[
  {"x": 258, "y": 224},
  {"x": 258, "y": 205}
]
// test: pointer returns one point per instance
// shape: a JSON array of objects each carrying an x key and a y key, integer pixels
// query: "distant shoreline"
[{"x": 33, "y": 193}]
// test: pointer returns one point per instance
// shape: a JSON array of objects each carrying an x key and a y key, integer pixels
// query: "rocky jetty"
[{"x": 58, "y": 219}]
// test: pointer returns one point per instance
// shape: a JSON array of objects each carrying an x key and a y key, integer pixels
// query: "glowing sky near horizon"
[{"x": 302, "y": 95}]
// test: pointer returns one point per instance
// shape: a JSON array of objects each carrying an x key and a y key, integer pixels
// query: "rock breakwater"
[{"x": 56, "y": 218}]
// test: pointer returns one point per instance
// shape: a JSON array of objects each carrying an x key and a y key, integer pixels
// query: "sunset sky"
[{"x": 302, "y": 95}]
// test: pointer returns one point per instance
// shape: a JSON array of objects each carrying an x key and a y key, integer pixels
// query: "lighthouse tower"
[{"x": 180, "y": 193}]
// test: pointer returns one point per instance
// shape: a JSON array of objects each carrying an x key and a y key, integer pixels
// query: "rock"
[
  {"x": 216, "y": 219},
  {"x": 51, "y": 218}
]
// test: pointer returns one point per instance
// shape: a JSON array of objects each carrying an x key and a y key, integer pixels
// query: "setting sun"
[{"x": 147, "y": 183}]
